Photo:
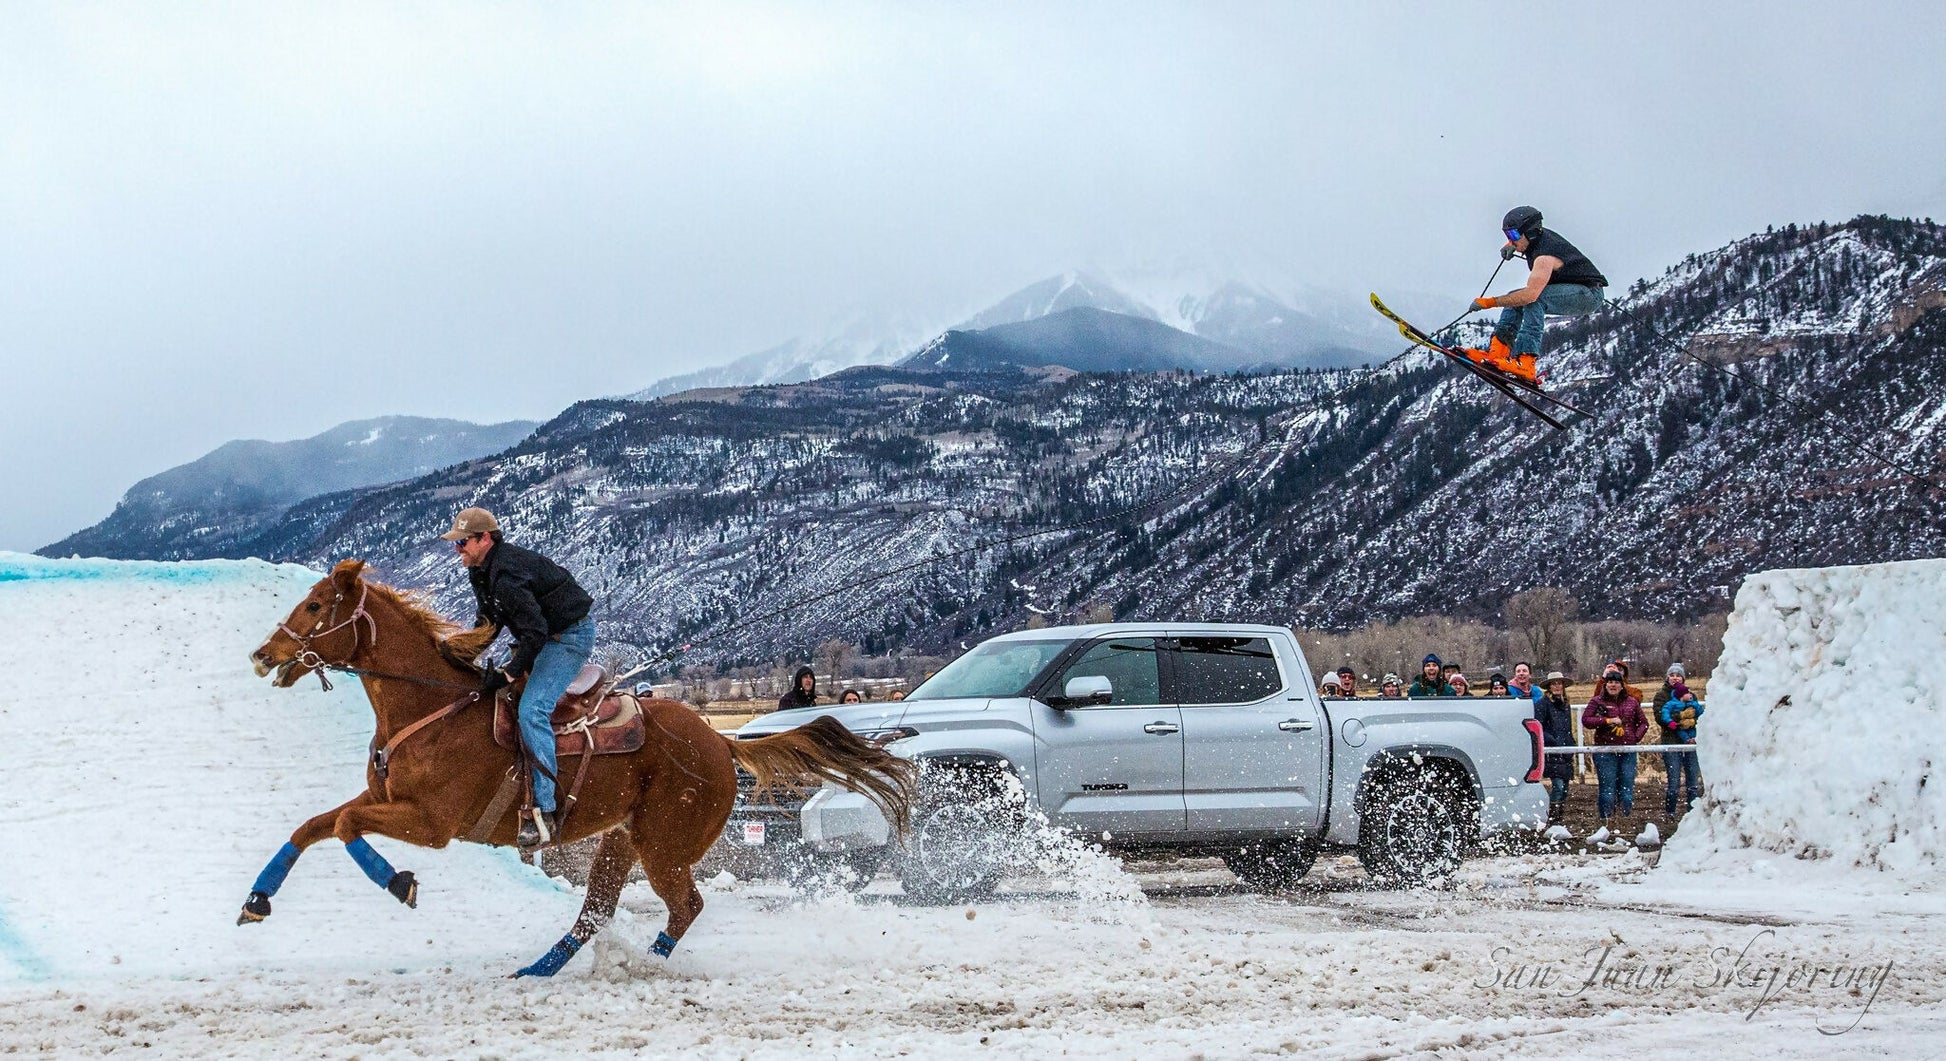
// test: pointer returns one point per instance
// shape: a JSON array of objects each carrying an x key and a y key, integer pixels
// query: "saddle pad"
[{"x": 611, "y": 726}]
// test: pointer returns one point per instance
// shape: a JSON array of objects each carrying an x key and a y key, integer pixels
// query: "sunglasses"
[{"x": 461, "y": 543}]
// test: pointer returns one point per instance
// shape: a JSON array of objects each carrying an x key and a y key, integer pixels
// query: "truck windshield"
[{"x": 996, "y": 668}]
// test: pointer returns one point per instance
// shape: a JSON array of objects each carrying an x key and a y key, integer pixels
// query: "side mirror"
[{"x": 1088, "y": 689}]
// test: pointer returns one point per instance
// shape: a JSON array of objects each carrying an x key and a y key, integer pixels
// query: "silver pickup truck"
[{"x": 1198, "y": 738}]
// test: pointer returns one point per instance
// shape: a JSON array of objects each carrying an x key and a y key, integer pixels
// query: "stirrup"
[{"x": 534, "y": 831}]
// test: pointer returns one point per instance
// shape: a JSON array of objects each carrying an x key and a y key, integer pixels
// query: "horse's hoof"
[
  {"x": 404, "y": 888},
  {"x": 255, "y": 908}
]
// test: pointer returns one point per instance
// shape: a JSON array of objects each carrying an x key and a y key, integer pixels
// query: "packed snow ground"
[{"x": 151, "y": 774}]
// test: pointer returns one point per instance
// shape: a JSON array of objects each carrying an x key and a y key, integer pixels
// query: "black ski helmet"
[{"x": 1522, "y": 219}]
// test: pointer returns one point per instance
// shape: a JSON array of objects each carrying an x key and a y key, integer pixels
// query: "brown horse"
[{"x": 664, "y": 805}]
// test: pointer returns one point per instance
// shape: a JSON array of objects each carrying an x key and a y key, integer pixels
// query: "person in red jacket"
[{"x": 1616, "y": 719}]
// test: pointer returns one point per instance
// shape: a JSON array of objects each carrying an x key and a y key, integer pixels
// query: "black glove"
[
  {"x": 495, "y": 680},
  {"x": 1507, "y": 253}
]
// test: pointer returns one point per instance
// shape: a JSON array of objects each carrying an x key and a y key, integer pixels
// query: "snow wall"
[
  {"x": 1826, "y": 720},
  {"x": 150, "y": 774}
]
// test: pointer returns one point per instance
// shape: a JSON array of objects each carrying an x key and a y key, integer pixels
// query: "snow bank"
[
  {"x": 1827, "y": 717},
  {"x": 150, "y": 774}
]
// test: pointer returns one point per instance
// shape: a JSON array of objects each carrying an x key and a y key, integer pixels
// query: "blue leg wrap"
[
  {"x": 664, "y": 944},
  {"x": 373, "y": 863},
  {"x": 556, "y": 956},
  {"x": 272, "y": 878}
]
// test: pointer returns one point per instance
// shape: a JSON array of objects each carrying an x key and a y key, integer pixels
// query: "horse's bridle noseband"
[{"x": 308, "y": 656}]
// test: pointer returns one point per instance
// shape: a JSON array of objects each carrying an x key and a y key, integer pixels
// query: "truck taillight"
[{"x": 1534, "y": 731}]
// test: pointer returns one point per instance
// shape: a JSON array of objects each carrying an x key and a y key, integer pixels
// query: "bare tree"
[
  {"x": 1540, "y": 616},
  {"x": 832, "y": 655}
]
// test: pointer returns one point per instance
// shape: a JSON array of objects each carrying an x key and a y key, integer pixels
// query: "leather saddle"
[{"x": 588, "y": 719}]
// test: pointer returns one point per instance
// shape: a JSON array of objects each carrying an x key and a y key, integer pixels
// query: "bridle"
[{"x": 308, "y": 656}]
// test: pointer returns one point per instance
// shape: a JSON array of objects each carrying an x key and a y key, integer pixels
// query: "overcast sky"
[{"x": 255, "y": 221}]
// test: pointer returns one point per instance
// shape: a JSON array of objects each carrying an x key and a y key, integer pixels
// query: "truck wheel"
[
  {"x": 964, "y": 835},
  {"x": 1273, "y": 865},
  {"x": 1412, "y": 828}
]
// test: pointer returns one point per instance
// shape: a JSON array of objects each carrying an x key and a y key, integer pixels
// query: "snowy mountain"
[
  {"x": 1267, "y": 328},
  {"x": 1349, "y": 495},
  {"x": 1084, "y": 339},
  {"x": 1244, "y": 316},
  {"x": 1055, "y": 295},
  {"x": 863, "y": 339},
  {"x": 212, "y": 505}
]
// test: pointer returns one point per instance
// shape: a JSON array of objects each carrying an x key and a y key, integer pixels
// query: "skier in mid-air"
[{"x": 1562, "y": 282}]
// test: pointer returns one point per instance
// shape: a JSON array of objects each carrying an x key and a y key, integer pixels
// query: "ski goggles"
[{"x": 1513, "y": 235}]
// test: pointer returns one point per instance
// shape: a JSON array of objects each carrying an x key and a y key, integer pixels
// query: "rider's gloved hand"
[
  {"x": 1486, "y": 302},
  {"x": 495, "y": 680},
  {"x": 1507, "y": 253}
]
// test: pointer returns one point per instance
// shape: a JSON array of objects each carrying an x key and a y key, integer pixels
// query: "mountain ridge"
[
  {"x": 212, "y": 507},
  {"x": 1348, "y": 495}
]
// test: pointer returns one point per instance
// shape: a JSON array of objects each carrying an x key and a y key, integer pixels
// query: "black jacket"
[
  {"x": 529, "y": 595},
  {"x": 796, "y": 697},
  {"x": 1557, "y": 731}
]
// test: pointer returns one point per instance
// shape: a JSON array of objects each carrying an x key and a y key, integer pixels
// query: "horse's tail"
[{"x": 824, "y": 750}]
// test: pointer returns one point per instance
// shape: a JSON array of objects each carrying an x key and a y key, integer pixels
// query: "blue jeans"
[
  {"x": 1557, "y": 793},
  {"x": 554, "y": 670},
  {"x": 1615, "y": 775},
  {"x": 1684, "y": 773},
  {"x": 1521, "y": 326}
]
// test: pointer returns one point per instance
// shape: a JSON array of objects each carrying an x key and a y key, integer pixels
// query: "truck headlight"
[{"x": 888, "y": 734}]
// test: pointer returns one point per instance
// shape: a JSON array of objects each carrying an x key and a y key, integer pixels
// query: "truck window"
[
  {"x": 1225, "y": 670},
  {"x": 993, "y": 668},
  {"x": 1129, "y": 664}
]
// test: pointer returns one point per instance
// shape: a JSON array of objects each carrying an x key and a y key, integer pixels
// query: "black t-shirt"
[{"x": 1575, "y": 266}]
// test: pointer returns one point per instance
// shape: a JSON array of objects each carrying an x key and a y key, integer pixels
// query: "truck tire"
[
  {"x": 1413, "y": 826},
  {"x": 964, "y": 835},
  {"x": 1273, "y": 865}
]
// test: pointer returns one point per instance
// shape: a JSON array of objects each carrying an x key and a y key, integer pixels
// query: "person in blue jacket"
[
  {"x": 1677, "y": 711},
  {"x": 1522, "y": 684}
]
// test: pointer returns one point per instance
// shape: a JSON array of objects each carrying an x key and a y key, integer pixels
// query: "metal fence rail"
[{"x": 1616, "y": 749}]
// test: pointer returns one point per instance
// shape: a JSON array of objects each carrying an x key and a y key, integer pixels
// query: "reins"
[{"x": 309, "y": 657}]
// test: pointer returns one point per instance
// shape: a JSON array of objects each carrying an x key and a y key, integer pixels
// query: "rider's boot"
[{"x": 536, "y": 830}]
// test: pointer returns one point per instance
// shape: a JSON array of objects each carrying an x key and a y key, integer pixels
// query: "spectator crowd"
[{"x": 1617, "y": 715}]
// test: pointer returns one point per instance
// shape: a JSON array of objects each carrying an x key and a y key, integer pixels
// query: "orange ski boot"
[{"x": 1501, "y": 358}]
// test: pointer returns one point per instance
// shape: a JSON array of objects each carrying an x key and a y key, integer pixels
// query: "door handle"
[
  {"x": 1161, "y": 727},
  {"x": 1296, "y": 725}
]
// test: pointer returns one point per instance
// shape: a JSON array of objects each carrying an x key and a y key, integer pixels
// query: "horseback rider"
[
  {"x": 1561, "y": 282},
  {"x": 546, "y": 610}
]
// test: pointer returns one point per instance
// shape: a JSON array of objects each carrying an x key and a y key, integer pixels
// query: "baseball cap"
[{"x": 469, "y": 522}]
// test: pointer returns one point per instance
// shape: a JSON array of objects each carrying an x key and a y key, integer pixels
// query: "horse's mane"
[{"x": 459, "y": 644}]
